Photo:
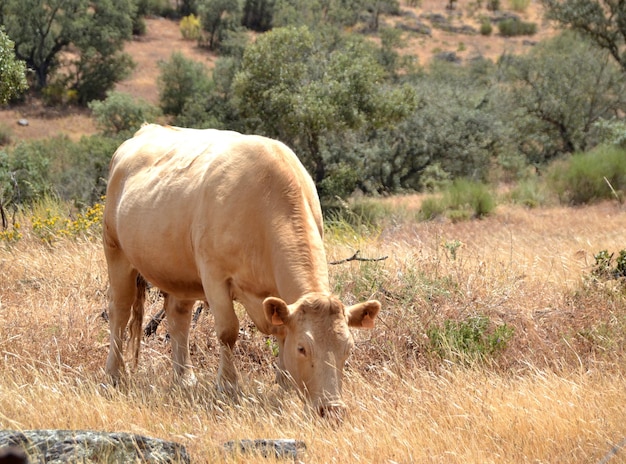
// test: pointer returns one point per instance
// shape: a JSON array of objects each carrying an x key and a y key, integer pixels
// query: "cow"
[{"x": 218, "y": 216}]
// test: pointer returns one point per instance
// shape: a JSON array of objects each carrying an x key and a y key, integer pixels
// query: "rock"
[
  {"x": 62, "y": 446},
  {"x": 22, "y": 122},
  {"x": 281, "y": 448}
]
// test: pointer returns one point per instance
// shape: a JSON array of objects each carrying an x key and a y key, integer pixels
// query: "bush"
[
  {"x": 588, "y": 177},
  {"x": 190, "y": 28},
  {"x": 182, "y": 80},
  {"x": 120, "y": 113},
  {"x": 462, "y": 200},
  {"x": 513, "y": 27},
  {"x": 469, "y": 340},
  {"x": 529, "y": 192},
  {"x": 58, "y": 168},
  {"x": 485, "y": 27},
  {"x": 519, "y": 5}
]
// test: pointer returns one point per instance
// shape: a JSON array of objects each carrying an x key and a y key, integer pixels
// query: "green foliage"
[
  {"x": 462, "y": 200},
  {"x": 44, "y": 30},
  {"x": 529, "y": 192},
  {"x": 56, "y": 167},
  {"x": 519, "y": 5},
  {"x": 470, "y": 340},
  {"x": 485, "y": 27},
  {"x": 556, "y": 95},
  {"x": 303, "y": 89},
  {"x": 217, "y": 17},
  {"x": 605, "y": 268},
  {"x": 182, "y": 80},
  {"x": 12, "y": 71},
  {"x": 257, "y": 15},
  {"x": 5, "y": 134},
  {"x": 121, "y": 114},
  {"x": 190, "y": 27},
  {"x": 588, "y": 177},
  {"x": 601, "y": 21},
  {"x": 513, "y": 27}
]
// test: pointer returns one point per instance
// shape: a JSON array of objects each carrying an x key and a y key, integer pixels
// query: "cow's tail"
[{"x": 136, "y": 319}]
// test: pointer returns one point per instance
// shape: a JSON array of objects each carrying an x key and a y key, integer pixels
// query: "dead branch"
[{"x": 356, "y": 257}]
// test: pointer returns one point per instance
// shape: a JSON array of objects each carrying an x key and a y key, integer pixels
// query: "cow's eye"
[{"x": 301, "y": 350}]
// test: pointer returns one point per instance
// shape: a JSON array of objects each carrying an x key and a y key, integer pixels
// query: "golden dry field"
[{"x": 556, "y": 393}]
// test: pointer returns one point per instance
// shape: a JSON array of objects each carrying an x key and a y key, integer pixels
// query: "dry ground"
[
  {"x": 163, "y": 37},
  {"x": 556, "y": 394}
]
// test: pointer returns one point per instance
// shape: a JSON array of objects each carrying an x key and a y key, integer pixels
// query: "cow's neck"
[{"x": 300, "y": 262}]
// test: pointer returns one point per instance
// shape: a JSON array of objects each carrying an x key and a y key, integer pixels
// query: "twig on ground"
[{"x": 356, "y": 257}]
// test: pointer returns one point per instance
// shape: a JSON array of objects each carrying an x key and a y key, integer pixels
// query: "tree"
[
  {"x": 12, "y": 71},
  {"x": 602, "y": 21},
  {"x": 94, "y": 32},
  {"x": 557, "y": 94},
  {"x": 217, "y": 17},
  {"x": 181, "y": 81},
  {"x": 301, "y": 88}
]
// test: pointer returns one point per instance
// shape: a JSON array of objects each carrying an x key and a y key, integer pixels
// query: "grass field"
[{"x": 552, "y": 391}]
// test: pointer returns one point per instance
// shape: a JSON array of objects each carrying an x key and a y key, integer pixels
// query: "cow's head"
[{"x": 314, "y": 343}]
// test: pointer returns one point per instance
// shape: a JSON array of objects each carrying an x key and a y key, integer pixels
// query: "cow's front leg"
[
  {"x": 227, "y": 330},
  {"x": 178, "y": 313}
]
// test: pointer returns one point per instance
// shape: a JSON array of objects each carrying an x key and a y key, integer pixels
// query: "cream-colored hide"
[{"x": 219, "y": 216}]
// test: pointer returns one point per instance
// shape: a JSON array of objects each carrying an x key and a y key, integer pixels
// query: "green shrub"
[
  {"x": 470, "y": 340},
  {"x": 57, "y": 167},
  {"x": 591, "y": 176},
  {"x": 512, "y": 27},
  {"x": 462, "y": 200},
  {"x": 529, "y": 192},
  {"x": 519, "y": 5},
  {"x": 5, "y": 134},
  {"x": 190, "y": 27},
  {"x": 120, "y": 113},
  {"x": 475, "y": 196},
  {"x": 485, "y": 27},
  {"x": 432, "y": 207}
]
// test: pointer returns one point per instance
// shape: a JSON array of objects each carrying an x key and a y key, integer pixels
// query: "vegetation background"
[{"x": 487, "y": 168}]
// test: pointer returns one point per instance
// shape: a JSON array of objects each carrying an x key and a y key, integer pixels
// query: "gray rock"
[
  {"x": 84, "y": 446},
  {"x": 281, "y": 448},
  {"x": 22, "y": 122}
]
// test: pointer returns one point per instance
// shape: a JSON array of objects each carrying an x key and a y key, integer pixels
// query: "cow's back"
[{"x": 180, "y": 199}]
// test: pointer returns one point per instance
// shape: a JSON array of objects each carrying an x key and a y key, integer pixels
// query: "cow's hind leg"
[
  {"x": 122, "y": 295},
  {"x": 178, "y": 314}
]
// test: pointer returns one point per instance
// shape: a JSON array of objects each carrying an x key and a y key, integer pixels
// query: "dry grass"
[{"x": 557, "y": 393}]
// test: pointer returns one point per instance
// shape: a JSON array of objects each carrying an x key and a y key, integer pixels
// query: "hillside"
[{"x": 458, "y": 35}]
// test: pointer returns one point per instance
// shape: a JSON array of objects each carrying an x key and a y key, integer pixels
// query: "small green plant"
[
  {"x": 513, "y": 27},
  {"x": 605, "y": 268},
  {"x": 451, "y": 248},
  {"x": 470, "y": 340},
  {"x": 485, "y": 27},
  {"x": 519, "y": 5}
]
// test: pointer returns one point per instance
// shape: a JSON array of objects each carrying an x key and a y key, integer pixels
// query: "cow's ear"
[
  {"x": 276, "y": 311},
  {"x": 362, "y": 315}
]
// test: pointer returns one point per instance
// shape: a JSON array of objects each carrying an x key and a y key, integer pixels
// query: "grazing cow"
[{"x": 220, "y": 216}]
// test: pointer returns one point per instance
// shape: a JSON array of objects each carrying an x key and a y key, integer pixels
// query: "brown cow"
[{"x": 220, "y": 216}]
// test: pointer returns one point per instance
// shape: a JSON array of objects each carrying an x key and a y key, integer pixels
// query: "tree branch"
[{"x": 356, "y": 257}]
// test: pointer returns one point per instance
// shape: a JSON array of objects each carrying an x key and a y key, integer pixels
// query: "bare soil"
[{"x": 163, "y": 37}]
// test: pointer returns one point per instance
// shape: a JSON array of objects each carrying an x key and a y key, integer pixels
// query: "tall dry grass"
[{"x": 556, "y": 393}]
